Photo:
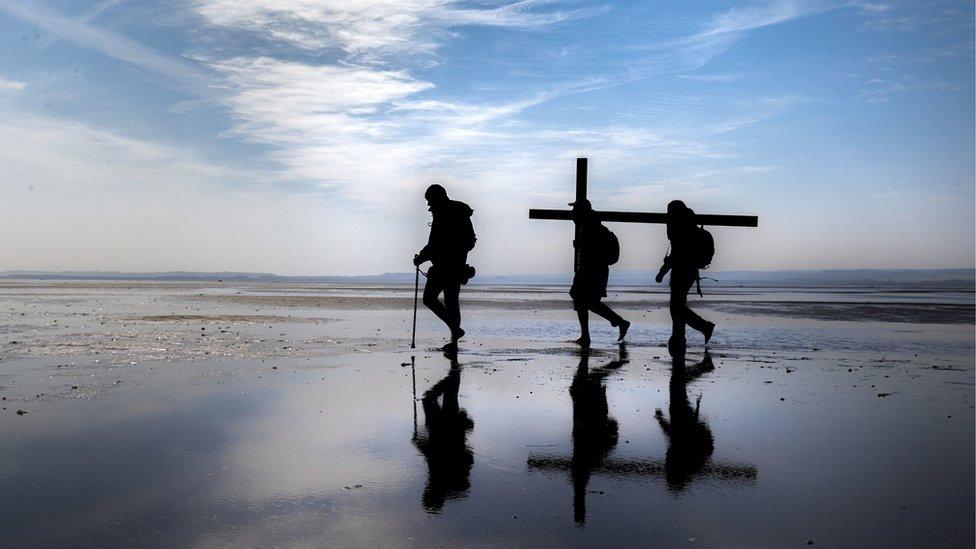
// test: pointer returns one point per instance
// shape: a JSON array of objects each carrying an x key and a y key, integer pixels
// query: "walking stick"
[{"x": 416, "y": 290}]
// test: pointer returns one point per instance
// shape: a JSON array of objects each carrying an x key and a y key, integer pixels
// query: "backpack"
[
  {"x": 611, "y": 246},
  {"x": 704, "y": 247},
  {"x": 466, "y": 236}
]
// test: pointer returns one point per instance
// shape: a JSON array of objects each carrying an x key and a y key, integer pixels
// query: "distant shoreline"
[{"x": 942, "y": 278}]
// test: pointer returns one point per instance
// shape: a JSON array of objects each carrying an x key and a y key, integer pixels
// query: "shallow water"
[{"x": 841, "y": 433}]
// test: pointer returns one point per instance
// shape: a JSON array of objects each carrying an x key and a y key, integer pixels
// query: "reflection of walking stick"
[
  {"x": 413, "y": 377},
  {"x": 416, "y": 290}
]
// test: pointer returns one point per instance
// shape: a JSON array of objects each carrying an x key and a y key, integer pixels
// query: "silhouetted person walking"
[
  {"x": 449, "y": 459},
  {"x": 597, "y": 249},
  {"x": 690, "y": 441},
  {"x": 683, "y": 262},
  {"x": 451, "y": 238}
]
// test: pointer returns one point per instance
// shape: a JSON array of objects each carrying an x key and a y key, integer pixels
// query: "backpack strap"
[{"x": 698, "y": 284}]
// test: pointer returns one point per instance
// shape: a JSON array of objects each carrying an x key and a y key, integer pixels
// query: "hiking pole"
[{"x": 416, "y": 290}]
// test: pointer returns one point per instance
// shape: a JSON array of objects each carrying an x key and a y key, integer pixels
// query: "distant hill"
[{"x": 961, "y": 278}]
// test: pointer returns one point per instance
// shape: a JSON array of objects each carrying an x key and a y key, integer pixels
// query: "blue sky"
[{"x": 297, "y": 136}]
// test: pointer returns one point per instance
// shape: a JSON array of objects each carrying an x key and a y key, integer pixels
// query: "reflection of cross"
[
  {"x": 712, "y": 472},
  {"x": 590, "y": 450},
  {"x": 636, "y": 217}
]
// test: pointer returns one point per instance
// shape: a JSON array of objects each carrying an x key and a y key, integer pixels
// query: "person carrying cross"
[
  {"x": 451, "y": 238},
  {"x": 683, "y": 265},
  {"x": 590, "y": 281}
]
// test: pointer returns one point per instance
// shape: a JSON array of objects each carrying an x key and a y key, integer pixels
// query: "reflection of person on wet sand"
[
  {"x": 594, "y": 431},
  {"x": 690, "y": 442},
  {"x": 444, "y": 446}
]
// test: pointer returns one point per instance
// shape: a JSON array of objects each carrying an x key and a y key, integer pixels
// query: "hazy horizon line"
[{"x": 96, "y": 272}]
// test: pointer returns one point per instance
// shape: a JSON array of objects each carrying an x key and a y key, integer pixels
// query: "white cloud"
[
  {"x": 720, "y": 77},
  {"x": 11, "y": 85},
  {"x": 363, "y": 131},
  {"x": 104, "y": 41},
  {"x": 371, "y": 27},
  {"x": 752, "y": 17},
  {"x": 342, "y": 101},
  {"x": 81, "y": 197},
  {"x": 934, "y": 16},
  {"x": 727, "y": 28}
]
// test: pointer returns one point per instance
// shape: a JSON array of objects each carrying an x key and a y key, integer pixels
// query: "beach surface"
[{"x": 216, "y": 414}]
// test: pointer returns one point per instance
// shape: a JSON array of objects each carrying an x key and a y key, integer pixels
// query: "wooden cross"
[{"x": 635, "y": 217}]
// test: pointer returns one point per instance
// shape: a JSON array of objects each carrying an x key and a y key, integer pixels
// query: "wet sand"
[{"x": 214, "y": 415}]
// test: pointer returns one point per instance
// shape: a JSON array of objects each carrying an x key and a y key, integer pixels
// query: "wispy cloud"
[
  {"x": 879, "y": 90},
  {"x": 938, "y": 16},
  {"x": 889, "y": 75},
  {"x": 355, "y": 128},
  {"x": 356, "y": 125},
  {"x": 718, "y": 77},
  {"x": 720, "y": 32},
  {"x": 727, "y": 28},
  {"x": 369, "y": 28},
  {"x": 369, "y": 122},
  {"x": 107, "y": 42},
  {"x": 11, "y": 85},
  {"x": 93, "y": 13}
]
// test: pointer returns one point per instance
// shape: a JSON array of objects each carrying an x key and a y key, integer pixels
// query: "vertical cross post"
[{"x": 580, "y": 195}]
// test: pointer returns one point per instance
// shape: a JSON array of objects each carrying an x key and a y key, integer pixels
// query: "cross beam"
[
  {"x": 579, "y": 473},
  {"x": 720, "y": 471},
  {"x": 648, "y": 217},
  {"x": 638, "y": 217}
]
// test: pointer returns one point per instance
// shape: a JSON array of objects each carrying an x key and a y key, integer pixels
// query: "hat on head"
[
  {"x": 678, "y": 208},
  {"x": 435, "y": 191}
]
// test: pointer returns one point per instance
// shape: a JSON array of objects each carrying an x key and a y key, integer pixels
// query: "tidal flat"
[{"x": 234, "y": 414}]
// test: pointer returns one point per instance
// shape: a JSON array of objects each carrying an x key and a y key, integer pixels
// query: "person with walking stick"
[{"x": 451, "y": 238}]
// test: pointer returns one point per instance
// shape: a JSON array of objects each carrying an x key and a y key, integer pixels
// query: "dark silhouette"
[
  {"x": 690, "y": 441},
  {"x": 451, "y": 238},
  {"x": 683, "y": 262},
  {"x": 444, "y": 444},
  {"x": 596, "y": 249},
  {"x": 594, "y": 431},
  {"x": 682, "y": 276}
]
